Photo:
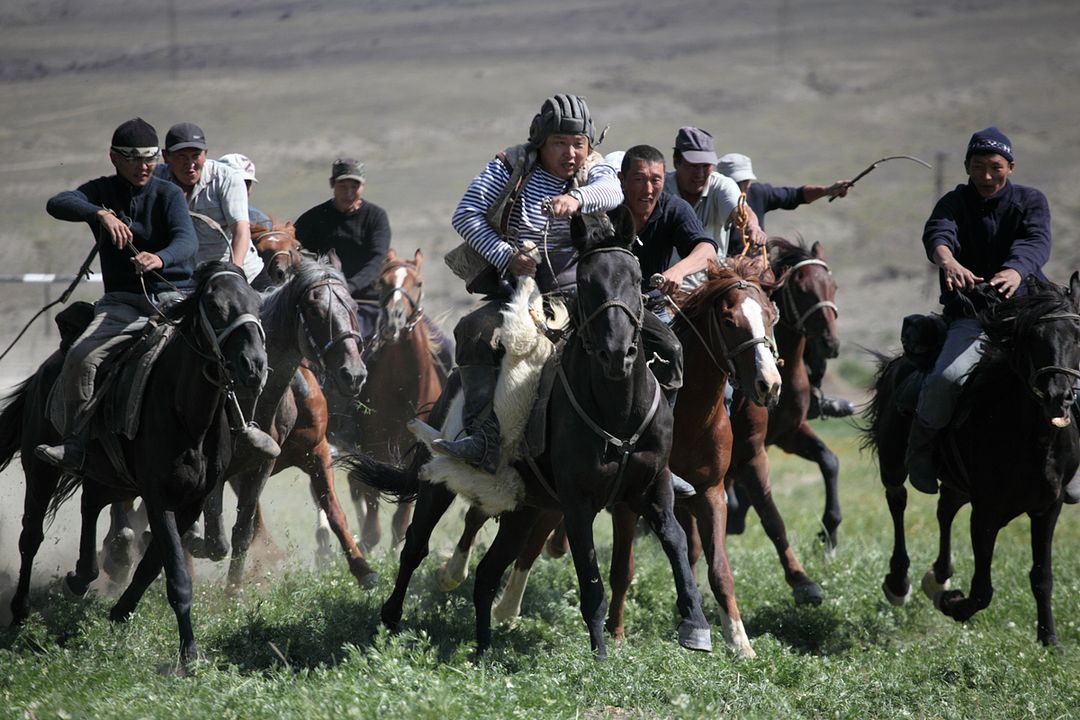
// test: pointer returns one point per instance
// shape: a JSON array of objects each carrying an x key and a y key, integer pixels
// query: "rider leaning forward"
[
  {"x": 988, "y": 230},
  {"x": 527, "y": 193},
  {"x": 147, "y": 245}
]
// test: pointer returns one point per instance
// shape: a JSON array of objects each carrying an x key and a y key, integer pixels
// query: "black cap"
[
  {"x": 135, "y": 133},
  {"x": 185, "y": 135}
]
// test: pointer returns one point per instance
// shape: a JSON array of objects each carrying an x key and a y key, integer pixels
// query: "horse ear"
[
  {"x": 818, "y": 250},
  {"x": 579, "y": 233},
  {"x": 391, "y": 255},
  {"x": 333, "y": 259},
  {"x": 623, "y": 223},
  {"x": 1074, "y": 289},
  {"x": 418, "y": 257}
]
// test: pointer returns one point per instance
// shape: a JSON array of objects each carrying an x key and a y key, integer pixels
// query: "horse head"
[
  {"x": 316, "y": 308},
  {"x": 807, "y": 292},
  {"x": 1039, "y": 334},
  {"x": 224, "y": 310},
  {"x": 732, "y": 317},
  {"x": 401, "y": 296},
  {"x": 609, "y": 303},
  {"x": 279, "y": 250}
]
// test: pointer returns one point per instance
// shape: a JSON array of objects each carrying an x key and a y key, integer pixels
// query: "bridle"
[
  {"x": 1035, "y": 373},
  {"x": 636, "y": 314},
  {"x": 787, "y": 298},
  {"x": 216, "y": 338},
  {"x": 318, "y": 352},
  {"x": 278, "y": 253},
  {"x": 415, "y": 304}
]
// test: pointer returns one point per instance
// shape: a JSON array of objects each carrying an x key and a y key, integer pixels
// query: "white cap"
[
  {"x": 736, "y": 166},
  {"x": 614, "y": 159},
  {"x": 241, "y": 164}
]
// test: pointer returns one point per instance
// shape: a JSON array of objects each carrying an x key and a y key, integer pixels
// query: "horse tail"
[
  {"x": 68, "y": 486},
  {"x": 399, "y": 482},
  {"x": 12, "y": 407},
  {"x": 881, "y": 398}
]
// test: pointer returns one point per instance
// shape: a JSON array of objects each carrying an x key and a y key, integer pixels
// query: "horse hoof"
[
  {"x": 809, "y": 594},
  {"x": 445, "y": 579},
  {"x": 74, "y": 588},
  {"x": 369, "y": 581},
  {"x": 118, "y": 616},
  {"x": 931, "y": 587},
  {"x": 693, "y": 638},
  {"x": 893, "y": 598}
]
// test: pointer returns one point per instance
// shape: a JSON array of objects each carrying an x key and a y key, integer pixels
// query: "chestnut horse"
[
  {"x": 404, "y": 381},
  {"x": 1011, "y": 448}
]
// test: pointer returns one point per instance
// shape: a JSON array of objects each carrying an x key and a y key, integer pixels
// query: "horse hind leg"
[
  {"x": 77, "y": 582},
  {"x": 936, "y": 579},
  {"x": 319, "y": 468},
  {"x": 711, "y": 514},
  {"x": 513, "y": 531},
  {"x": 41, "y": 482},
  {"x": 508, "y": 606},
  {"x": 118, "y": 549},
  {"x": 807, "y": 445},
  {"x": 453, "y": 572},
  {"x": 1041, "y": 576},
  {"x": 953, "y": 603}
]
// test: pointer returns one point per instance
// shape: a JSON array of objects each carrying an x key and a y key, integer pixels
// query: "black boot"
[
  {"x": 1071, "y": 490},
  {"x": 67, "y": 456},
  {"x": 919, "y": 457},
  {"x": 836, "y": 407},
  {"x": 481, "y": 447}
]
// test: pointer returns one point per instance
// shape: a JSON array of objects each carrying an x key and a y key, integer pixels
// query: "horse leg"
[
  {"x": 249, "y": 484},
  {"x": 623, "y": 524},
  {"x": 319, "y": 469},
  {"x": 936, "y": 579},
  {"x": 557, "y": 545},
  {"x": 167, "y": 527},
  {"x": 324, "y": 552},
  {"x": 1042, "y": 572},
  {"x": 399, "y": 524},
  {"x": 145, "y": 573},
  {"x": 807, "y": 445},
  {"x": 86, "y": 567},
  {"x": 432, "y": 502},
  {"x": 578, "y": 518},
  {"x": 754, "y": 476},
  {"x": 738, "y": 504},
  {"x": 897, "y": 583},
  {"x": 118, "y": 547},
  {"x": 508, "y": 605},
  {"x": 212, "y": 544},
  {"x": 984, "y": 532},
  {"x": 456, "y": 568},
  {"x": 711, "y": 513},
  {"x": 659, "y": 511},
  {"x": 514, "y": 528},
  {"x": 371, "y": 528},
  {"x": 41, "y": 482}
]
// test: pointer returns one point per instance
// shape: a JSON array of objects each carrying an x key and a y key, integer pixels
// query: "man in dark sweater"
[
  {"x": 987, "y": 229},
  {"x": 145, "y": 238},
  {"x": 357, "y": 230}
]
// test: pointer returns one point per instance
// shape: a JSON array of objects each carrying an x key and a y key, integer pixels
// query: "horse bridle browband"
[
  {"x": 788, "y": 298},
  {"x": 335, "y": 286}
]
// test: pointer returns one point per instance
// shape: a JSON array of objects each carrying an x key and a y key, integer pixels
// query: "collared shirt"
[
  {"x": 713, "y": 208},
  {"x": 159, "y": 222},
  {"x": 221, "y": 195},
  {"x": 528, "y": 220},
  {"x": 671, "y": 233},
  {"x": 1009, "y": 230}
]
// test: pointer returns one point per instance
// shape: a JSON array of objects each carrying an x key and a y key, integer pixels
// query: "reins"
[{"x": 335, "y": 286}]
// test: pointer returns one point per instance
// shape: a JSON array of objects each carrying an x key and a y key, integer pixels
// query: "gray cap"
[
  {"x": 696, "y": 146},
  {"x": 185, "y": 135},
  {"x": 736, "y": 166},
  {"x": 346, "y": 169}
]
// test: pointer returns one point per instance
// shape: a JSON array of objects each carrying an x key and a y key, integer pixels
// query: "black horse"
[
  {"x": 180, "y": 450},
  {"x": 1012, "y": 446},
  {"x": 610, "y": 430}
]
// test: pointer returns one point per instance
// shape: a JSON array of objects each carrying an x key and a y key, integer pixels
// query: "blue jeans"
[{"x": 962, "y": 349}]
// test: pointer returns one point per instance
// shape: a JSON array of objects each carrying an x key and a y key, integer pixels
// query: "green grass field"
[{"x": 309, "y": 644}]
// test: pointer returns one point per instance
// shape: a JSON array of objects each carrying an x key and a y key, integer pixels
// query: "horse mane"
[
  {"x": 785, "y": 253},
  {"x": 187, "y": 307},
  {"x": 285, "y": 228},
  {"x": 278, "y": 311},
  {"x": 699, "y": 302}
]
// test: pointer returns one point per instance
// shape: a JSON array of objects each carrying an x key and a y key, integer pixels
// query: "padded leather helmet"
[{"x": 562, "y": 114}]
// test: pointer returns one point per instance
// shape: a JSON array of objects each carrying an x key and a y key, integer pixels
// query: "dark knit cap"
[
  {"x": 990, "y": 141},
  {"x": 135, "y": 133}
]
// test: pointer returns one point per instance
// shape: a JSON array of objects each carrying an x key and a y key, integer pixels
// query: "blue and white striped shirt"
[{"x": 528, "y": 219}]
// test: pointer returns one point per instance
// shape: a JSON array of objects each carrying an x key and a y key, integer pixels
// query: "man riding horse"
[
  {"x": 528, "y": 194},
  {"x": 988, "y": 229}
]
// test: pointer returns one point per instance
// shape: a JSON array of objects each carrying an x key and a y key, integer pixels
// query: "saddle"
[
  {"x": 922, "y": 337},
  {"x": 115, "y": 408}
]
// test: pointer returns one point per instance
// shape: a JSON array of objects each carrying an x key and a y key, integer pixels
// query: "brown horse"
[
  {"x": 404, "y": 381},
  {"x": 724, "y": 332},
  {"x": 806, "y": 296}
]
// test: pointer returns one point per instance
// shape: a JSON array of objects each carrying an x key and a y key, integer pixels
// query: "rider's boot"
[
  {"x": 822, "y": 405},
  {"x": 919, "y": 457},
  {"x": 481, "y": 447},
  {"x": 68, "y": 456},
  {"x": 682, "y": 488},
  {"x": 251, "y": 436}
]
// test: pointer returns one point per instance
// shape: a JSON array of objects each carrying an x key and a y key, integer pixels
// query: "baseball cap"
[
  {"x": 346, "y": 169},
  {"x": 736, "y": 166},
  {"x": 185, "y": 135},
  {"x": 241, "y": 164},
  {"x": 696, "y": 146}
]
